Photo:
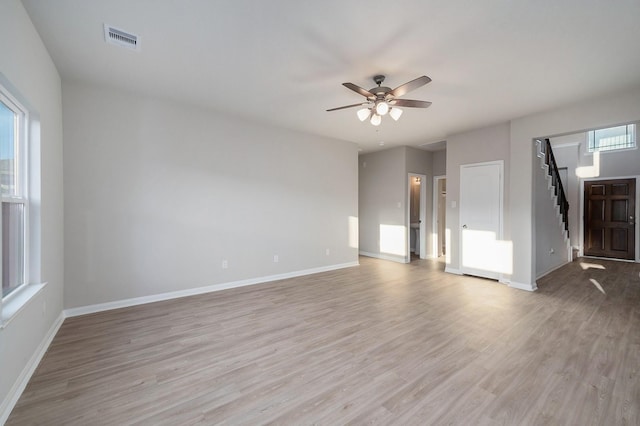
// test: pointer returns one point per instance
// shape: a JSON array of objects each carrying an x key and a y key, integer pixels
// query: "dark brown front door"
[{"x": 609, "y": 218}]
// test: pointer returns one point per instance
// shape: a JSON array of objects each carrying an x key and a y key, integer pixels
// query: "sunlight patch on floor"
[
  {"x": 586, "y": 265},
  {"x": 597, "y": 284}
]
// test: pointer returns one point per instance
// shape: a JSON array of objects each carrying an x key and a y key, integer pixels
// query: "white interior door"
[{"x": 483, "y": 253}]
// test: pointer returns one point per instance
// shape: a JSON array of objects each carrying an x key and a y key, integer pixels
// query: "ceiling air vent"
[{"x": 121, "y": 38}]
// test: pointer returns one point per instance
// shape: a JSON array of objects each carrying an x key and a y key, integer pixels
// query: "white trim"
[
  {"x": 391, "y": 257},
  {"x": 21, "y": 383},
  {"x": 422, "y": 213},
  {"x": 613, "y": 259},
  {"x": 521, "y": 286},
  {"x": 14, "y": 302},
  {"x": 565, "y": 145},
  {"x": 552, "y": 269},
  {"x": 22, "y": 190},
  {"x": 590, "y": 153},
  {"x": 452, "y": 270},
  {"x": 423, "y": 218},
  {"x": 435, "y": 229},
  {"x": 83, "y": 310}
]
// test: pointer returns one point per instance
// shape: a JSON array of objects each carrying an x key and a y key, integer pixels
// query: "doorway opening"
[
  {"x": 417, "y": 206},
  {"x": 439, "y": 216}
]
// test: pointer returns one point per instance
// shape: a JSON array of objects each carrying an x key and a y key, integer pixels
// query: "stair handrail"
[{"x": 552, "y": 165}]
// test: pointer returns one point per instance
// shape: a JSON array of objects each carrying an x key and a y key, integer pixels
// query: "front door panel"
[{"x": 609, "y": 211}]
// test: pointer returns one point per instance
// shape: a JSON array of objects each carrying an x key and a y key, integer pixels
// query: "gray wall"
[
  {"x": 439, "y": 163},
  {"x": 26, "y": 65},
  {"x": 487, "y": 144},
  {"x": 382, "y": 197},
  {"x": 158, "y": 194}
]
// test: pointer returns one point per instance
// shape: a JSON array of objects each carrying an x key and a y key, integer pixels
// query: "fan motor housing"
[{"x": 379, "y": 91}]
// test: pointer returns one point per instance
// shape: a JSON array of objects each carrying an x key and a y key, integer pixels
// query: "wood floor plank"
[{"x": 382, "y": 343}]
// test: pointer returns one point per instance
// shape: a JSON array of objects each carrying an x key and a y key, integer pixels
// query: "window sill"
[
  {"x": 607, "y": 151},
  {"x": 16, "y": 302}
]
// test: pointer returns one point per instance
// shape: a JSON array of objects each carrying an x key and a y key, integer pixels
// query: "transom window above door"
[{"x": 612, "y": 138}]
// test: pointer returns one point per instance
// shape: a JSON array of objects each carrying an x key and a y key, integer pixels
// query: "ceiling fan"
[{"x": 382, "y": 100}]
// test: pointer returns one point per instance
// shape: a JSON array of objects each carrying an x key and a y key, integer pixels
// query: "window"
[
  {"x": 612, "y": 138},
  {"x": 13, "y": 191}
]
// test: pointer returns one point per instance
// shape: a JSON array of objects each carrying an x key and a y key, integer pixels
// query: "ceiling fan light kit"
[
  {"x": 364, "y": 113},
  {"x": 395, "y": 113},
  {"x": 383, "y": 100},
  {"x": 382, "y": 107}
]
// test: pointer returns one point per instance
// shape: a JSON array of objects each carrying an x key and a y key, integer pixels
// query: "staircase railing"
[{"x": 550, "y": 161}]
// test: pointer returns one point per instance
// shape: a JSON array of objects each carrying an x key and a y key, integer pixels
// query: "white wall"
[
  {"x": 158, "y": 194},
  {"x": 477, "y": 146},
  {"x": 594, "y": 113},
  {"x": 25, "y": 63}
]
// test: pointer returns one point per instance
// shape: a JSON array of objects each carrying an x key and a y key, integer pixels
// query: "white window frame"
[
  {"x": 22, "y": 184},
  {"x": 634, "y": 133}
]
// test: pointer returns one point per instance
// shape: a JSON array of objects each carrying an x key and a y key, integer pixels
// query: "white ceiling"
[{"x": 283, "y": 61}]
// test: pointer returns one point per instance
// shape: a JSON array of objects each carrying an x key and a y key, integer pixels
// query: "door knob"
[{"x": 464, "y": 226}]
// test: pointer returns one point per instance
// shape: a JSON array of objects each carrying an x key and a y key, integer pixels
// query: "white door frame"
[
  {"x": 436, "y": 208},
  {"x": 423, "y": 215},
  {"x": 500, "y": 208}
]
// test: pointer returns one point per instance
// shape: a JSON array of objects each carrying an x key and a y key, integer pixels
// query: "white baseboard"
[
  {"x": 21, "y": 383},
  {"x": 452, "y": 270},
  {"x": 391, "y": 257},
  {"x": 90, "y": 309},
  {"x": 522, "y": 286}
]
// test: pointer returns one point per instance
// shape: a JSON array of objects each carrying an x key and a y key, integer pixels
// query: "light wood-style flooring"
[{"x": 382, "y": 343}]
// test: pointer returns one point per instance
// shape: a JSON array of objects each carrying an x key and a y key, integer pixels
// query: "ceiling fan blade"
[
  {"x": 412, "y": 85},
  {"x": 346, "y": 106},
  {"x": 359, "y": 90},
  {"x": 410, "y": 103}
]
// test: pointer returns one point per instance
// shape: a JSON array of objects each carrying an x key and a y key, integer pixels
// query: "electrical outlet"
[
  {"x": 327, "y": 252},
  {"x": 275, "y": 258},
  {"x": 225, "y": 264},
  {"x": 551, "y": 251}
]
